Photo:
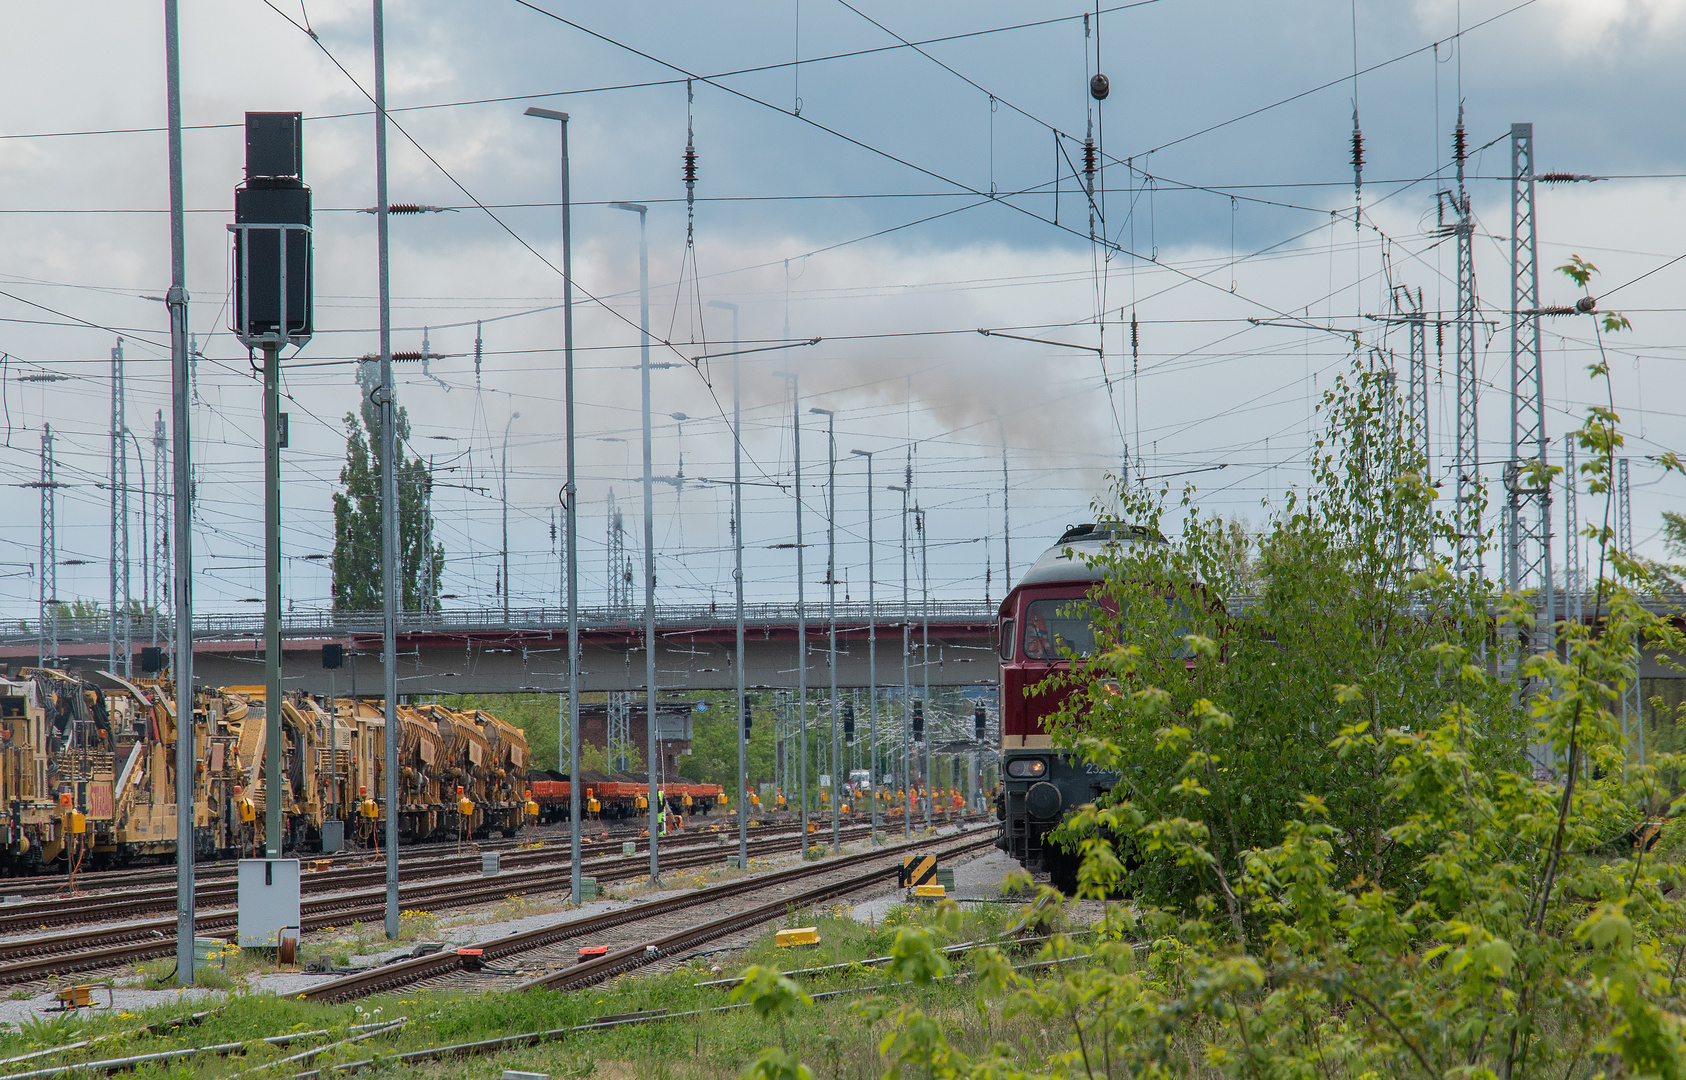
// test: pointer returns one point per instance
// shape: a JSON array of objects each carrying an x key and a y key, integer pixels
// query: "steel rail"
[
  {"x": 417, "y": 969},
  {"x": 58, "y": 911},
  {"x": 637, "y": 955},
  {"x": 74, "y": 951},
  {"x": 52, "y": 882}
]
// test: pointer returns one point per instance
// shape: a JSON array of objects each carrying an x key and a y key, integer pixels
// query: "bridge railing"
[
  {"x": 553, "y": 619},
  {"x": 295, "y": 624}
]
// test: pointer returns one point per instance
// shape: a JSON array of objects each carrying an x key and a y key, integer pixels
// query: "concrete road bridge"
[{"x": 483, "y": 652}]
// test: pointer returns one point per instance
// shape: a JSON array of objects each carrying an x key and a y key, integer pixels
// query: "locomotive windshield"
[{"x": 1057, "y": 628}]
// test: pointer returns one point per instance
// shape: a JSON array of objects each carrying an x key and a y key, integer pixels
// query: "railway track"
[
  {"x": 48, "y": 905},
  {"x": 858, "y": 871},
  {"x": 73, "y": 951},
  {"x": 221, "y": 888},
  {"x": 55, "y": 884}
]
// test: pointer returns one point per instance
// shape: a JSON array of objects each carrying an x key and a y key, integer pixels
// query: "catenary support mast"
[
  {"x": 1528, "y": 487},
  {"x": 1466, "y": 465},
  {"x": 182, "y": 623},
  {"x": 120, "y": 656},
  {"x": 389, "y": 485}
]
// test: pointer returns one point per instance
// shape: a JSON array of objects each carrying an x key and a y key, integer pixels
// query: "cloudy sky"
[{"x": 889, "y": 198}]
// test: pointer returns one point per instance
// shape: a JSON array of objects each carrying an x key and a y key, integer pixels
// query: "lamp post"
[
  {"x": 1006, "y": 521},
  {"x": 570, "y": 492},
  {"x": 649, "y": 519},
  {"x": 871, "y": 646},
  {"x": 907, "y": 681},
  {"x": 925, "y": 648},
  {"x": 831, "y": 618},
  {"x": 801, "y": 608},
  {"x": 737, "y": 580},
  {"x": 504, "y": 487}
]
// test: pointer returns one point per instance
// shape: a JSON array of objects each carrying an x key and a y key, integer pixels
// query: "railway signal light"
[
  {"x": 272, "y": 240},
  {"x": 849, "y": 722},
  {"x": 979, "y": 723},
  {"x": 748, "y": 720},
  {"x": 919, "y": 721}
]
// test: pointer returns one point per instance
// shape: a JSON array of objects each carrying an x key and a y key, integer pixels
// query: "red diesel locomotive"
[{"x": 1041, "y": 627}]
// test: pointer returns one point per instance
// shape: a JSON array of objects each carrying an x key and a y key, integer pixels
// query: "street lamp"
[
  {"x": 831, "y": 617},
  {"x": 1006, "y": 521},
  {"x": 925, "y": 646},
  {"x": 504, "y": 485},
  {"x": 737, "y": 579},
  {"x": 649, "y": 515},
  {"x": 801, "y": 607},
  {"x": 907, "y": 681},
  {"x": 570, "y": 492},
  {"x": 871, "y": 646}
]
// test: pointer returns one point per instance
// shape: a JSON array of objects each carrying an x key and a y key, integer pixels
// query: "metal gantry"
[
  {"x": 1466, "y": 462},
  {"x": 1528, "y": 489}
]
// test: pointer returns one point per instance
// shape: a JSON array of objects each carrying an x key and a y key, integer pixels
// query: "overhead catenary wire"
[{"x": 1216, "y": 355}]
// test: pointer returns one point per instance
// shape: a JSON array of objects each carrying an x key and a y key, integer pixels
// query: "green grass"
[{"x": 833, "y": 1037}]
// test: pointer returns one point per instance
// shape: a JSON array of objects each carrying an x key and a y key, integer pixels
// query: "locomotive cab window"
[
  {"x": 1055, "y": 629},
  {"x": 1006, "y": 642}
]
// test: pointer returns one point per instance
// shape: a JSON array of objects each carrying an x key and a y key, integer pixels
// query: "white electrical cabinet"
[{"x": 269, "y": 901}]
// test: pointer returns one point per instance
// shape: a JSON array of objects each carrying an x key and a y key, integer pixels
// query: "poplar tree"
[{"x": 357, "y": 516}]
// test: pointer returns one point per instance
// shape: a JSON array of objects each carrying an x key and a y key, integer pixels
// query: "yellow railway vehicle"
[{"x": 87, "y": 771}]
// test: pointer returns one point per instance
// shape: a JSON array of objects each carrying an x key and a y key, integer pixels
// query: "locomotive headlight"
[{"x": 1027, "y": 768}]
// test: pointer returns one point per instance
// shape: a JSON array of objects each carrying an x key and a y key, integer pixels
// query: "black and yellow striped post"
[{"x": 918, "y": 870}]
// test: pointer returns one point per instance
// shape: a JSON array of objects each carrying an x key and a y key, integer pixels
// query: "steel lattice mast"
[
  {"x": 618, "y": 723},
  {"x": 120, "y": 629},
  {"x": 1416, "y": 391},
  {"x": 1574, "y": 552},
  {"x": 1633, "y": 724},
  {"x": 47, "y": 629},
  {"x": 160, "y": 522},
  {"x": 1466, "y": 462},
  {"x": 1528, "y": 506}
]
